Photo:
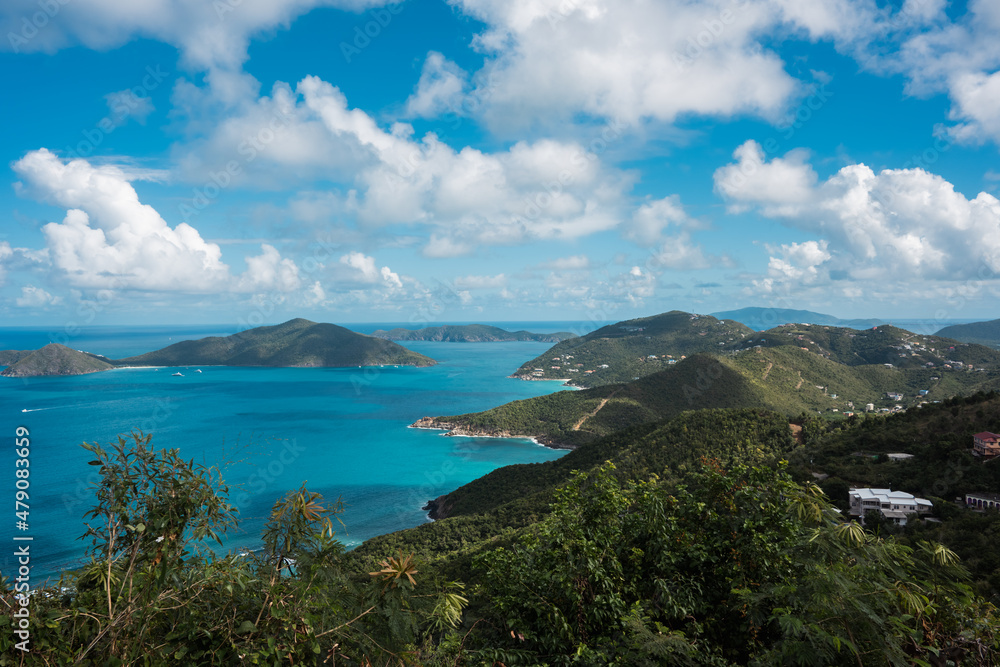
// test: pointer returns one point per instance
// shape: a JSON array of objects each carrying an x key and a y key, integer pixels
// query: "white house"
[{"x": 893, "y": 505}]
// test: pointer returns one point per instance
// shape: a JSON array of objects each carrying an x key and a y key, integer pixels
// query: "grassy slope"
[
  {"x": 625, "y": 347},
  {"x": 55, "y": 359},
  {"x": 8, "y": 357},
  {"x": 297, "y": 342},
  {"x": 783, "y": 378}
]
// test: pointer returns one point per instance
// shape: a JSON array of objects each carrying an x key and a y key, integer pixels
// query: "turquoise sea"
[{"x": 342, "y": 431}]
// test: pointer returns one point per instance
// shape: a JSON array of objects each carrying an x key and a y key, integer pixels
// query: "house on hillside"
[
  {"x": 986, "y": 444},
  {"x": 982, "y": 501},
  {"x": 896, "y": 506}
]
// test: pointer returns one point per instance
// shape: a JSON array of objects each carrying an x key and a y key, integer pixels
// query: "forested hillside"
[
  {"x": 782, "y": 377},
  {"x": 983, "y": 333},
  {"x": 627, "y": 350}
]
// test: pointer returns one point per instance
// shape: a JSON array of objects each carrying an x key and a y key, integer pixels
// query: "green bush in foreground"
[
  {"x": 151, "y": 593},
  {"x": 742, "y": 566}
]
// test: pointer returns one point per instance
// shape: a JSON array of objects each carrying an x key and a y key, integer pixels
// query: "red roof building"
[{"x": 986, "y": 444}]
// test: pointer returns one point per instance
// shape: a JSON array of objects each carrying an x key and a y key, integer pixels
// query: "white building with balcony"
[{"x": 895, "y": 506}]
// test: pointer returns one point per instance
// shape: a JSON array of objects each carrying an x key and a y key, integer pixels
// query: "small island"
[
  {"x": 296, "y": 343},
  {"x": 471, "y": 333}
]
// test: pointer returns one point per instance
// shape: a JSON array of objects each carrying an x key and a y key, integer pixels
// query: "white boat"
[
  {"x": 176, "y": 375},
  {"x": 198, "y": 371}
]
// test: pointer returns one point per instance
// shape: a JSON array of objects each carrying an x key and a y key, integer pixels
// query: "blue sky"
[{"x": 182, "y": 161}]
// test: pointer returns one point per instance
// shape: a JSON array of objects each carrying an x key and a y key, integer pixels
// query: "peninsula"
[{"x": 56, "y": 359}]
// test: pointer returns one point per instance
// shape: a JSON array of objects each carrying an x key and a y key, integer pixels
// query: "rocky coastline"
[
  {"x": 439, "y": 508},
  {"x": 459, "y": 429}
]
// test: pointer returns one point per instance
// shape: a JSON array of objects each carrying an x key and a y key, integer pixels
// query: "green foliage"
[
  {"x": 151, "y": 594},
  {"x": 939, "y": 436},
  {"x": 742, "y": 566}
]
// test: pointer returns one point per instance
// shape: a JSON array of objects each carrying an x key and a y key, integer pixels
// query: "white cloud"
[
  {"x": 649, "y": 220},
  {"x": 633, "y": 60},
  {"x": 678, "y": 253},
  {"x": 110, "y": 240},
  {"x": 798, "y": 261},
  {"x": 268, "y": 271},
  {"x": 782, "y": 185},
  {"x": 480, "y": 282},
  {"x": 5, "y": 254},
  {"x": 899, "y": 225},
  {"x": 542, "y": 190},
  {"x": 36, "y": 297},
  {"x": 958, "y": 57},
  {"x": 573, "y": 263},
  {"x": 976, "y": 97},
  {"x": 209, "y": 34},
  {"x": 365, "y": 270},
  {"x": 440, "y": 89}
]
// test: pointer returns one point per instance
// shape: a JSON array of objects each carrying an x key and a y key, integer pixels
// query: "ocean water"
[{"x": 342, "y": 431}]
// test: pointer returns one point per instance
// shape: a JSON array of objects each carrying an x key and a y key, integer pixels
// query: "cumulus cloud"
[
  {"x": 480, "y": 282},
  {"x": 976, "y": 97},
  {"x": 36, "y": 297},
  {"x": 798, "y": 261},
  {"x": 896, "y": 225},
  {"x": 542, "y": 190},
  {"x": 781, "y": 185},
  {"x": 365, "y": 270},
  {"x": 110, "y": 240},
  {"x": 635, "y": 60},
  {"x": 209, "y": 34},
  {"x": 650, "y": 219},
  {"x": 573, "y": 263},
  {"x": 679, "y": 253},
  {"x": 959, "y": 57},
  {"x": 440, "y": 89}
]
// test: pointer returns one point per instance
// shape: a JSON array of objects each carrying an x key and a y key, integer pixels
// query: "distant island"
[
  {"x": 761, "y": 319},
  {"x": 296, "y": 343},
  {"x": 471, "y": 333},
  {"x": 982, "y": 333},
  {"x": 53, "y": 359}
]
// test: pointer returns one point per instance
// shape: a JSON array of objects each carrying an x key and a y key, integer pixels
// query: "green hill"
[
  {"x": 627, "y": 350},
  {"x": 782, "y": 377},
  {"x": 297, "y": 342},
  {"x": 518, "y": 495},
  {"x": 8, "y": 357},
  {"x": 762, "y": 319},
  {"x": 55, "y": 359},
  {"x": 879, "y": 345},
  {"x": 983, "y": 333},
  {"x": 470, "y": 333}
]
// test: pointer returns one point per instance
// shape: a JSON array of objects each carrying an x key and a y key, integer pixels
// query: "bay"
[{"x": 342, "y": 432}]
